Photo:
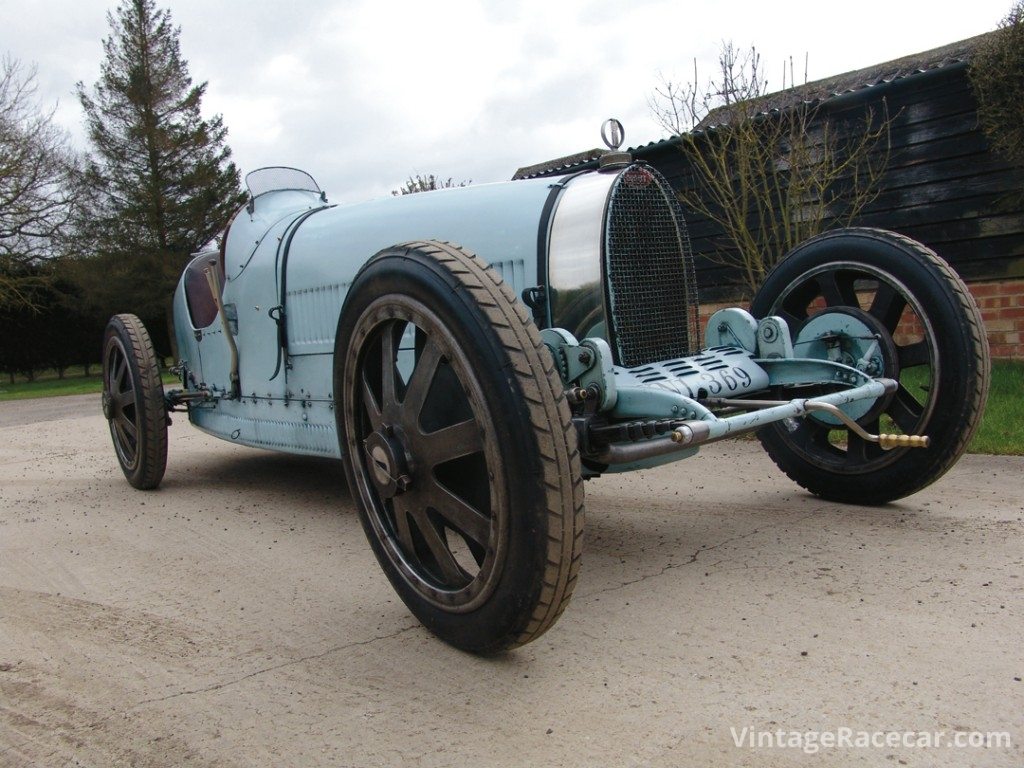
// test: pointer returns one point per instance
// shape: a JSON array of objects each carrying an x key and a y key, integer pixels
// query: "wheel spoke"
[
  {"x": 124, "y": 399},
  {"x": 387, "y": 371},
  {"x": 402, "y": 530},
  {"x": 911, "y": 355},
  {"x": 127, "y": 426},
  {"x": 887, "y": 306},
  {"x": 122, "y": 369},
  {"x": 458, "y": 513},
  {"x": 859, "y": 450},
  {"x": 836, "y": 293},
  {"x": 791, "y": 319},
  {"x": 127, "y": 443},
  {"x": 904, "y": 410},
  {"x": 370, "y": 403},
  {"x": 452, "y": 442},
  {"x": 856, "y": 449},
  {"x": 813, "y": 437},
  {"x": 438, "y": 547},
  {"x": 793, "y": 309},
  {"x": 421, "y": 379}
]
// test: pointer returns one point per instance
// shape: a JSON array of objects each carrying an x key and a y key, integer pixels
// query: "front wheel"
[
  {"x": 877, "y": 286},
  {"x": 458, "y": 446}
]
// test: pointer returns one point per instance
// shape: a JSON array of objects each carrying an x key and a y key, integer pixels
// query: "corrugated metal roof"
[
  {"x": 551, "y": 166},
  {"x": 811, "y": 94},
  {"x": 850, "y": 82}
]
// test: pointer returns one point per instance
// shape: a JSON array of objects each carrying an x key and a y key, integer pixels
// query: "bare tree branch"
[
  {"x": 768, "y": 178},
  {"x": 427, "y": 183},
  {"x": 36, "y": 187}
]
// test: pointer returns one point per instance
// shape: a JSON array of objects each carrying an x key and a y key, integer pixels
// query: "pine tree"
[{"x": 160, "y": 179}]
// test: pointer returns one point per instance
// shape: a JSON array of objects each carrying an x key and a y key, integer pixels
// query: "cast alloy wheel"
[
  {"x": 429, "y": 465},
  {"x": 890, "y": 289},
  {"x": 133, "y": 401},
  {"x": 458, "y": 446}
]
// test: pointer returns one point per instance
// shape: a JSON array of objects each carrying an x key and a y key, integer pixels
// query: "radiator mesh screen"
[{"x": 652, "y": 289}]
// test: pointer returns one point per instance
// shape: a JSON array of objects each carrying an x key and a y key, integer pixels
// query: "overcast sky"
[{"x": 362, "y": 93}]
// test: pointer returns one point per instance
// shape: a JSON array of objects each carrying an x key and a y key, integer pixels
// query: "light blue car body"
[
  {"x": 290, "y": 257},
  {"x": 293, "y": 411}
]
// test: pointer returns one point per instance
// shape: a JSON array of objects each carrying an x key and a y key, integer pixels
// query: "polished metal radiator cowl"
[{"x": 619, "y": 265}]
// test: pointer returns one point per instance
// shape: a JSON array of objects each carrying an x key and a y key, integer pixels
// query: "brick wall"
[
  {"x": 707, "y": 310},
  {"x": 1002, "y": 308}
]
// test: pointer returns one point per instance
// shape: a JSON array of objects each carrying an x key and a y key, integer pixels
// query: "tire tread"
[
  {"x": 543, "y": 396},
  {"x": 152, "y": 439},
  {"x": 945, "y": 275}
]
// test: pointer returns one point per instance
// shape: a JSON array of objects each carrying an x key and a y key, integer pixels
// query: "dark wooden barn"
[{"x": 943, "y": 185}]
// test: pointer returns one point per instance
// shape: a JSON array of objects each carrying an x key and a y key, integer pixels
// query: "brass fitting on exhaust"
[
  {"x": 903, "y": 441},
  {"x": 886, "y": 442}
]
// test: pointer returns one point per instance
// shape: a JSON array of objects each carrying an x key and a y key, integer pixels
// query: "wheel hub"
[
  {"x": 108, "y": 406},
  {"x": 387, "y": 461},
  {"x": 855, "y": 338}
]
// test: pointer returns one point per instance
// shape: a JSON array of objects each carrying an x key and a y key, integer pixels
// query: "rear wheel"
[
  {"x": 458, "y": 446},
  {"x": 886, "y": 288},
  {"x": 133, "y": 401}
]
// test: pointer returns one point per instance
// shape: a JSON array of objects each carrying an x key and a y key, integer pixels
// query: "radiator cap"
[{"x": 613, "y": 134}]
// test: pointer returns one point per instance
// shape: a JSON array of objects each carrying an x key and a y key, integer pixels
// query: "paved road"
[
  {"x": 14, "y": 413},
  {"x": 236, "y": 617}
]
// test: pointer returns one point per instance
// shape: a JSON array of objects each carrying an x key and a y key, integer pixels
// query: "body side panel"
[
  {"x": 496, "y": 221},
  {"x": 293, "y": 412}
]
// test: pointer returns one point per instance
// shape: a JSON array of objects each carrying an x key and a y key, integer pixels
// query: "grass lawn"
[
  {"x": 1002, "y": 427},
  {"x": 75, "y": 382},
  {"x": 1001, "y": 430}
]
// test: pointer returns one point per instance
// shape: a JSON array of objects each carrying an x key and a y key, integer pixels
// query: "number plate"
[{"x": 716, "y": 372}]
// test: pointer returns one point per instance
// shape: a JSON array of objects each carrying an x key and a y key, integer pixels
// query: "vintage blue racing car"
[{"x": 473, "y": 354}]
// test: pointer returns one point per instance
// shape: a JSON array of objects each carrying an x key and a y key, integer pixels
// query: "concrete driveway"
[{"x": 236, "y": 617}]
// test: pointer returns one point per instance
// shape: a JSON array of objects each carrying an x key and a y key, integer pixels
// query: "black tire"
[
  {"x": 904, "y": 288},
  {"x": 133, "y": 401},
  {"x": 473, "y": 502}
]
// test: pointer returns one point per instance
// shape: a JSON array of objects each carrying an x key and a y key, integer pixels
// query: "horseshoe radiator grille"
[{"x": 649, "y": 273}]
